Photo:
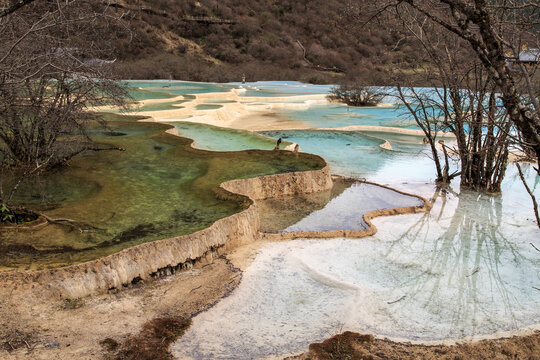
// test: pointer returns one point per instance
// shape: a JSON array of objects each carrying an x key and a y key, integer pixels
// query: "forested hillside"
[{"x": 211, "y": 40}]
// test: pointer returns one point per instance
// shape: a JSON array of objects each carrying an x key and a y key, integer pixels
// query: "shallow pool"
[
  {"x": 464, "y": 270},
  {"x": 215, "y": 138},
  {"x": 280, "y": 89},
  {"x": 359, "y": 154},
  {"x": 158, "y": 187},
  {"x": 339, "y": 115},
  {"x": 344, "y": 212}
]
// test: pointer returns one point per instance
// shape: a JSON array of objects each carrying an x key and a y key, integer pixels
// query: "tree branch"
[{"x": 11, "y": 9}]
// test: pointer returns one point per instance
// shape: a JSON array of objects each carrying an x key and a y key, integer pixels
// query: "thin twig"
[
  {"x": 474, "y": 272},
  {"x": 395, "y": 301},
  {"x": 533, "y": 198}
]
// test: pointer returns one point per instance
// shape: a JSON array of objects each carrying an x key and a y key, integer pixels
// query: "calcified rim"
[
  {"x": 145, "y": 260},
  {"x": 367, "y": 217}
]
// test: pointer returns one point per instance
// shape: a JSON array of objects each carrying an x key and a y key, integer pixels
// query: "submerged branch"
[
  {"x": 395, "y": 301},
  {"x": 59, "y": 221}
]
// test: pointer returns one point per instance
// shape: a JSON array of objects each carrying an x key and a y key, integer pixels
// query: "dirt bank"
[
  {"x": 36, "y": 328},
  {"x": 354, "y": 346}
]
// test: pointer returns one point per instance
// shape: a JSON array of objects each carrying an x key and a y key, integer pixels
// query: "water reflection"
[
  {"x": 277, "y": 214},
  {"x": 344, "y": 212},
  {"x": 465, "y": 269},
  {"x": 475, "y": 268}
]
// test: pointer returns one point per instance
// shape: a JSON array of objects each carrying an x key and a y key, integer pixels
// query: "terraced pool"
[
  {"x": 465, "y": 270},
  {"x": 158, "y": 187}
]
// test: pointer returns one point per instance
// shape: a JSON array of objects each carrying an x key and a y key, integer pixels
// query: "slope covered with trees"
[{"x": 210, "y": 40}]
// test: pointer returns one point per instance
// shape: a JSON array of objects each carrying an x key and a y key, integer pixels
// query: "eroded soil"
[
  {"x": 100, "y": 327},
  {"x": 354, "y": 346},
  {"x": 141, "y": 321}
]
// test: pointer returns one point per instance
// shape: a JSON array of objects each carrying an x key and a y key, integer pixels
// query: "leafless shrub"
[{"x": 54, "y": 66}]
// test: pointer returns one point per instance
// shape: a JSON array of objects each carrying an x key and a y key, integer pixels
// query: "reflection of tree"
[
  {"x": 277, "y": 214},
  {"x": 467, "y": 257}
]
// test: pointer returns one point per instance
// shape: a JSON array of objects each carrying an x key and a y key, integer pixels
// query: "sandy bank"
[{"x": 244, "y": 113}]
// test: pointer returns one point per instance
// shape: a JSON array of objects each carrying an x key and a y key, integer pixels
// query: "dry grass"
[{"x": 153, "y": 342}]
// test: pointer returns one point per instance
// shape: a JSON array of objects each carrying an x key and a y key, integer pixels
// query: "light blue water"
[
  {"x": 359, "y": 155},
  {"x": 161, "y": 89},
  {"x": 215, "y": 138},
  {"x": 353, "y": 154},
  {"x": 339, "y": 115},
  {"x": 280, "y": 88},
  {"x": 143, "y": 94}
]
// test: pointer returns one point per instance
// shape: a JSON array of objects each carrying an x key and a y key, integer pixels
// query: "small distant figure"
[
  {"x": 425, "y": 141},
  {"x": 243, "y": 78},
  {"x": 170, "y": 82},
  {"x": 277, "y": 144},
  {"x": 296, "y": 149}
]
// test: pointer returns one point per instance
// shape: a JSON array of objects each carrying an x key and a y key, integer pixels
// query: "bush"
[{"x": 357, "y": 95}]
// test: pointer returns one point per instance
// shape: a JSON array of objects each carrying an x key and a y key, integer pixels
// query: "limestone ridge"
[
  {"x": 158, "y": 258},
  {"x": 165, "y": 257}
]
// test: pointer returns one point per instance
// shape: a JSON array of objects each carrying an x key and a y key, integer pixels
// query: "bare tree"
[
  {"x": 357, "y": 94},
  {"x": 426, "y": 113},
  {"x": 497, "y": 33},
  {"x": 491, "y": 29},
  {"x": 54, "y": 66},
  {"x": 462, "y": 100}
]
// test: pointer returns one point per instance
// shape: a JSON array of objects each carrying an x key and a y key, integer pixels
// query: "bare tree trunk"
[
  {"x": 533, "y": 198},
  {"x": 473, "y": 23}
]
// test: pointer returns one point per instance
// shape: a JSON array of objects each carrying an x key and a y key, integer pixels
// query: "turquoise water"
[
  {"x": 463, "y": 270},
  {"x": 164, "y": 89},
  {"x": 355, "y": 154},
  {"x": 280, "y": 88},
  {"x": 175, "y": 88},
  {"x": 359, "y": 155},
  {"x": 143, "y": 94},
  {"x": 215, "y": 138},
  {"x": 208, "y": 107},
  {"x": 338, "y": 115}
]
